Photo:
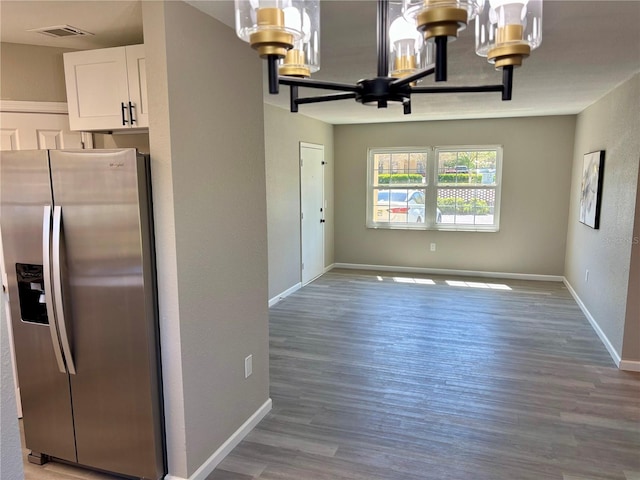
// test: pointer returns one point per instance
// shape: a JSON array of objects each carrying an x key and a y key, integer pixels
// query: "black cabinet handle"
[
  {"x": 123, "y": 111},
  {"x": 131, "y": 108}
]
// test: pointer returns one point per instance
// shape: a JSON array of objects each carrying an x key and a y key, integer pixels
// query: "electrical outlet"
[
  {"x": 248, "y": 366},
  {"x": 586, "y": 276},
  {"x": 433, "y": 247}
]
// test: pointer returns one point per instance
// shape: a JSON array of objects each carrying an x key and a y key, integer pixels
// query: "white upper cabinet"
[
  {"x": 137, "y": 75},
  {"x": 107, "y": 88}
]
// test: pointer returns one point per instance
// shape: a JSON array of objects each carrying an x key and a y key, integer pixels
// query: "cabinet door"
[
  {"x": 37, "y": 131},
  {"x": 97, "y": 89},
  {"x": 137, "y": 76}
]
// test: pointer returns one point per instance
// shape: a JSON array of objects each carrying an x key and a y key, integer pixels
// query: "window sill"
[{"x": 439, "y": 228}]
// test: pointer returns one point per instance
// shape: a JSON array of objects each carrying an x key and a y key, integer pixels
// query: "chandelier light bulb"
[
  {"x": 292, "y": 19},
  {"x": 304, "y": 58},
  {"x": 406, "y": 44},
  {"x": 510, "y": 12},
  {"x": 403, "y": 35}
]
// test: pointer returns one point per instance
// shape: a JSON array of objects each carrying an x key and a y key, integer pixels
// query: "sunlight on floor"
[
  {"x": 451, "y": 283},
  {"x": 493, "y": 286},
  {"x": 421, "y": 281}
]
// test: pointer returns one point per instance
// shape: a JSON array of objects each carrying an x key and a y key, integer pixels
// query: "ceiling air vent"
[{"x": 61, "y": 31}]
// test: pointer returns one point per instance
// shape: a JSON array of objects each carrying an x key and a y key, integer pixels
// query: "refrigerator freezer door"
[
  {"x": 109, "y": 303},
  {"x": 46, "y": 403}
]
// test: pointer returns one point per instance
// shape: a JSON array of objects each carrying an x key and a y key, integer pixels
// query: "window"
[{"x": 442, "y": 188}]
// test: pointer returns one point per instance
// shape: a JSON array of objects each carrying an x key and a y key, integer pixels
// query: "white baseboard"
[
  {"x": 629, "y": 365},
  {"x": 612, "y": 351},
  {"x": 446, "y": 271},
  {"x": 212, "y": 462},
  {"x": 19, "y": 402},
  {"x": 285, "y": 294},
  {"x": 329, "y": 268}
]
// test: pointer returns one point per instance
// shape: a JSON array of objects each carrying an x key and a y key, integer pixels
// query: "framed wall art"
[{"x": 591, "y": 191}]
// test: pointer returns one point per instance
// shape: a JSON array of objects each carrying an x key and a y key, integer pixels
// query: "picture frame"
[{"x": 591, "y": 190}]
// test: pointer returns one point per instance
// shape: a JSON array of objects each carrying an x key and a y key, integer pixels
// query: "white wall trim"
[
  {"x": 446, "y": 271},
  {"x": 33, "y": 107},
  {"x": 214, "y": 460},
  {"x": 612, "y": 351},
  {"x": 329, "y": 268},
  {"x": 629, "y": 365},
  {"x": 285, "y": 294}
]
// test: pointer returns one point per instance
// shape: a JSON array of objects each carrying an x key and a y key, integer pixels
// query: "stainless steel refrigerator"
[{"x": 78, "y": 250}]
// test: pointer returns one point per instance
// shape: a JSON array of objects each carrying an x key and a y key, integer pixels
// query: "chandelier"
[{"x": 412, "y": 39}]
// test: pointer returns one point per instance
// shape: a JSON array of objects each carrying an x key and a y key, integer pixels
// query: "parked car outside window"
[
  {"x": 402, "y": 206},
  {"x": 457, "y": 169}
]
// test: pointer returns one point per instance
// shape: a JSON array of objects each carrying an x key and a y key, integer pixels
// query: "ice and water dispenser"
[{"x": 31, "y": 293}]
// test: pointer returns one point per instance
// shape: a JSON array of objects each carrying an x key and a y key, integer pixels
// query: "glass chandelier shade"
[
  {"x": 408, "y": 51},
  {"x": 508, "y": 30},
  {"x": 438, "y": 18},
  {"x": 304, "y": 58},
  {"x": 270, "y": 26}
]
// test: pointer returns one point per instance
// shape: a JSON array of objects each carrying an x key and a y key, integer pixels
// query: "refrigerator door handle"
[
  {"x": 57, "y": 288},
  {"x": 48, "y": 290}
]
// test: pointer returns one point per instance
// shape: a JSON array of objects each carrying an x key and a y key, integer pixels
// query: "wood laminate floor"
[
  {"x": 409, "y": 377},
  {"x": 412, "y": 377}
]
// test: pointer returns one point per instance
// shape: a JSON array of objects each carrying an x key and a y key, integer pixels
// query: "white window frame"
[
  {"x": 431, "y": 189},
  {"x": 370, "y": 222}
]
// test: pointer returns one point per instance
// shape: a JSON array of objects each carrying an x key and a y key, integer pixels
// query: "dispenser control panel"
[{"x": 31, "y": 293}]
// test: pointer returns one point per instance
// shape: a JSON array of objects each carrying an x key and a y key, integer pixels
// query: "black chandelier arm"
[
  {"x": 412, "y": 78},
  {"x": 505, "y": 88},
  {"x": 272, "y": 65},
  {"x": 326, "y": 98},
  {"x": 462, "y": 89},
  {"x": 310, "y": 83},
  {"x": 383, "y": 38},
  {"x": 441, "y": 58},
  {"x": 295, "y": 101},
  {"x": 507, "y": 82},
  {"x": 406, "y": 106},
  {"x": 293, "y": 97}
]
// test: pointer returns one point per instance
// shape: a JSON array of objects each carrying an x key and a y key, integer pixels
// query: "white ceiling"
[
  {"x": 589, "y": 47},
  {"x": 113, "y": 23}
]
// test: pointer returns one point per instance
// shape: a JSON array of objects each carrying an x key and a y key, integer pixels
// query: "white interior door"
[
  {"x": 33, "y": 131},
  {"x": 312, "y": 210}
]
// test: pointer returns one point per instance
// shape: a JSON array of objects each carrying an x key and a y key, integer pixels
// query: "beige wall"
[
  {"x": 128, "y": 140},
  {"x": 32, "y": 73},
  {"x": 536, "y": 176},
  {"x": 165, "y": 237},
  {"x": 10, "y": 453},
  {"x": 207, "y": 149},
  {"x": 611, "y": 124},
  {"x": 283, "y": 133}
]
